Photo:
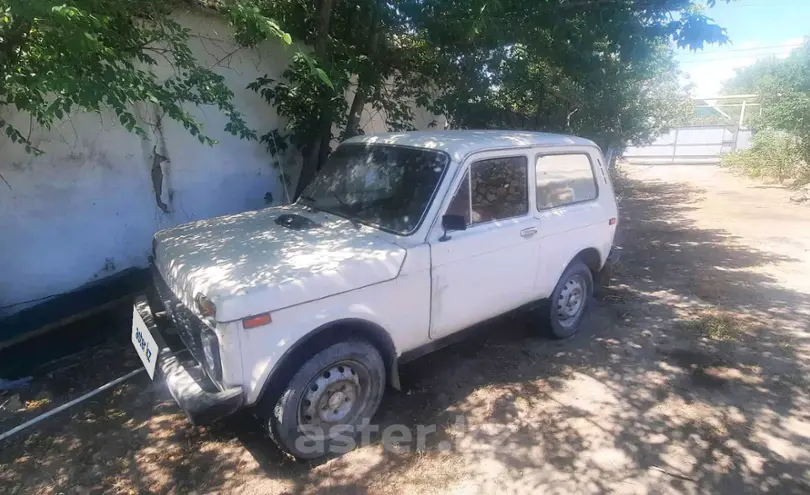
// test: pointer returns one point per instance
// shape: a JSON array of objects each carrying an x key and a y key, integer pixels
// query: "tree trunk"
[
  {"x": 319, "y": 149},
  {"x": 356, "y": 111},
  {"x": 364, "y": 80},
  {"x": 322, "y": 39}
]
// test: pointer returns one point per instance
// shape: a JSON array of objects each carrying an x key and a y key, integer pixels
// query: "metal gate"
[{"x": 694, "y": 144}]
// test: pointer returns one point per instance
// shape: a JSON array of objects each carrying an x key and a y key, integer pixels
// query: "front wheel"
[
  {"x": 329, "y": 401},
  {"x": 566, "y": 307}
]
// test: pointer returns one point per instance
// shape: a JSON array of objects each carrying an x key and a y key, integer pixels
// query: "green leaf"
[
  {"x": 323, "y": 77},
  {"x": 483, "y": 63}
]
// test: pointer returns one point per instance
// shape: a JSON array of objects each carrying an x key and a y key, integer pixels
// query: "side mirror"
[{"x": 452, "y": 222}]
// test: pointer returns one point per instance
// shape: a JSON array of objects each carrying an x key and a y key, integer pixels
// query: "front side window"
[
  {"x": 493, "y": 189},
  {"x": 389, "y": 187},
  {"x": 564, "y": 179}
]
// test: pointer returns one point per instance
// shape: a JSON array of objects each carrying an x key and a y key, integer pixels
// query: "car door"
[
  {"x": 568, "y": 185},
  {"x": 490, "y": 267}
]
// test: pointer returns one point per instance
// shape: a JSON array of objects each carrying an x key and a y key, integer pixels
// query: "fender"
[{"x": 321, "y": 338}]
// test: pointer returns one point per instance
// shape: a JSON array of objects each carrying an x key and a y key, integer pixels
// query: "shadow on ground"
[{"x": 686, "y": 379}]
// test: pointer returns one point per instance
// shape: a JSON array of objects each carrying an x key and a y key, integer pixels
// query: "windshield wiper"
[
  {"x": 310, "y": 202},
  {"x": 347, "y": 209}
]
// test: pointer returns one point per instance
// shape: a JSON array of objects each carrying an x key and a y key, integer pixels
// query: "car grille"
[{"x": 196, "y": 335}]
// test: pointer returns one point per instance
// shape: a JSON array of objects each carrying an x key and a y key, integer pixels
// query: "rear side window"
[
  {"x": 493, "y": 189},
  {"x": 564, "y": 179}
]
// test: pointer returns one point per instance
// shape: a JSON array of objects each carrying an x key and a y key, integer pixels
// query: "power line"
[
  {"x": 751, "y": 49},
  {"x": 723, "y": 59},
  {"x": 740, "y": 4},
  {"x": 641, "y": 4}
]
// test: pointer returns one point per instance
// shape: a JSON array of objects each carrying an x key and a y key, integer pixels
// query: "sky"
[{"x": 756, "y": 28}]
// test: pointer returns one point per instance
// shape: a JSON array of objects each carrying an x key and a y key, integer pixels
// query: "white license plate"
[{"x": 144, "y": 343}]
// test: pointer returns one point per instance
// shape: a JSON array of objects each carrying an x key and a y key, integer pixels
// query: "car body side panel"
[
  {"x": 400, "y": 306},
  {"x": 567, "y": 230},
  {"x": 571, "y": 242}
]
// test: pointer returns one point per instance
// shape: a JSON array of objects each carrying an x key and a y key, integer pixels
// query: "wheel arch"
[
  {"x": 591, "y": 257},
  {"x": 322, "y": 337}
]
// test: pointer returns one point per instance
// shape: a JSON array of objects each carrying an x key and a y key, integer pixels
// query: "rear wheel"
[
  {"x": 569, "y": 301},
  {"x": 328, "y": 401}
]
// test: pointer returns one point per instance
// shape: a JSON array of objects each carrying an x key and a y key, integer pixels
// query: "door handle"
[{"x": 526, "y": 233}]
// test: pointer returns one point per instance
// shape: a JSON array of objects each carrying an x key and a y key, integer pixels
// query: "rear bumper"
[
  {"x": 191, "y": 388},
  {"x": 605, "y": 275}
]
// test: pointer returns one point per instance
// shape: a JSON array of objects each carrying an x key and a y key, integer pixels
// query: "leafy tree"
[
  {"x": 365, "y": 49},
  {"x": 783, "y": 87},
  {"x": 750, "y": 78},
  {"x": 603, "y": 69},
  {"x": 57, "y": 57},
  {"x": 600, "y": 68}
]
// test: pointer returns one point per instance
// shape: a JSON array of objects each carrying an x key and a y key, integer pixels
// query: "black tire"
[
  {"x": 577, "y": 274},
  {"x": 355, "y": 365}
]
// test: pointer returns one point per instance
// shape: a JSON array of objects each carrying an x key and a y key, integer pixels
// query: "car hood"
[{"x": 248, "y": 264}]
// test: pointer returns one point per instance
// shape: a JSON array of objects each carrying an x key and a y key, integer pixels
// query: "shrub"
[{"x": 773, "y": 154}]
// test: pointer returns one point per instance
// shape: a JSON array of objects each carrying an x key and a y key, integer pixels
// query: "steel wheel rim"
[
  {"x": 335, "y": 396},
  {"x": 571, "y": 300}
]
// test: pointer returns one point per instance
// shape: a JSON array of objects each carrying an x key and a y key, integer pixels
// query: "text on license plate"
[{"x": 144, "y": 343}]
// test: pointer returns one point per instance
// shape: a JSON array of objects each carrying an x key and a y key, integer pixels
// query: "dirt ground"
[{"x": 690, "y": 376}]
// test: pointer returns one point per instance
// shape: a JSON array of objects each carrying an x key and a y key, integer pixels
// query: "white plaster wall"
[
  {"x": 86, "y": 209},
  {"x": 82, "y": 211},
  {"x": 373, "y": 121}
]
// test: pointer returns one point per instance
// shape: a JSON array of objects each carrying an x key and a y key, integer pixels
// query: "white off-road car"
[{"x": 304, "y": 312}]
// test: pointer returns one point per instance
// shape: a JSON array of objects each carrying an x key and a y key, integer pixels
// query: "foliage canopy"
[
  {"x": 783, "y": 87},
  {"x": 598, "y": 68},
  {"x": 58, "y": 57},
  {"x": 782, "y": 143},
  {"x": 602, "y": 69}
]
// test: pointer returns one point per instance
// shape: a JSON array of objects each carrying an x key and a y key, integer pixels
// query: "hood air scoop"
[{"x": 296, "y": 222}]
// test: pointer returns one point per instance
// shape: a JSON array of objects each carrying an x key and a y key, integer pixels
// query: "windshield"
[{"x": 389, "y": 187}]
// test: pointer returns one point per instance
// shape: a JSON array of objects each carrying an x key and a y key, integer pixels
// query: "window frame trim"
[
  {"x": 565, "y": 152},
  {"x": 468, "y": 172}
]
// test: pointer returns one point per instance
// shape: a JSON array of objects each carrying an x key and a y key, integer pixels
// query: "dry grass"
[{"x": 717, "y": 325}]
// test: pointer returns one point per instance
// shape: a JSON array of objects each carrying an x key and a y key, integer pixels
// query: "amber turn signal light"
[{"x": 256, "y": 321}]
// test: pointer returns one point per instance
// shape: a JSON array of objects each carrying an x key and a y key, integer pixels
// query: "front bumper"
[{"x": 191, "y": 388}]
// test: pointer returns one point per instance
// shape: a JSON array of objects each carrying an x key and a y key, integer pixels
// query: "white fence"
[{"x": 703, "y": 144}]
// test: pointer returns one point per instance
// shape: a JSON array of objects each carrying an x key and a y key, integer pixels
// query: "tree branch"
[{"x": 4, "y": 180}]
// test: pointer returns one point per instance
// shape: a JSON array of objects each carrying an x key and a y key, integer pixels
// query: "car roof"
[{"x": 459, "y": 144}]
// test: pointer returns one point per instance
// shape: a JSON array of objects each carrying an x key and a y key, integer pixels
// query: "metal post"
[
  {"x": 742, "y": 116},
  {"x": 675, "y": 145}
]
